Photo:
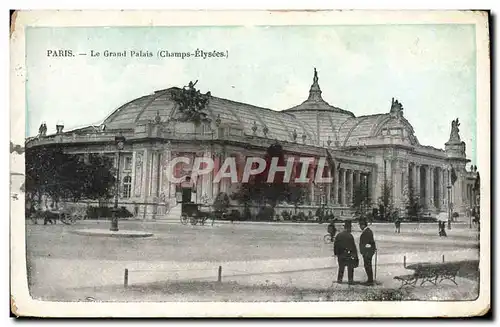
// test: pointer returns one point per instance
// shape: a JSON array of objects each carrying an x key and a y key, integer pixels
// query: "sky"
[{"x": 430, "y": 69}]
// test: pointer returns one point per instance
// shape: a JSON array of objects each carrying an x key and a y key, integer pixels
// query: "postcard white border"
[{"x": 22, "y": 303}]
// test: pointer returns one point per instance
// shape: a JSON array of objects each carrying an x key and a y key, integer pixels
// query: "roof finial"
[{"x": 315, "y": 91}]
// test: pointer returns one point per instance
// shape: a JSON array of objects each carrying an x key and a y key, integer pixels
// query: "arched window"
[{"x": 127, "y": 186}]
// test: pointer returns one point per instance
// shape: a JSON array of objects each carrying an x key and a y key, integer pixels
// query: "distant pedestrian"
[
  {"x": 332, "y": 230},
  {"x": 442, "y": 229},
  {"x": 397, "y": 223},
  {"x": 344, "y": 248},
  {"x": 367, "y": 247}
]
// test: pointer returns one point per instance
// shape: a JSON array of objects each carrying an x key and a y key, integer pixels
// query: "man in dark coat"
[
  {"x": 367, "y": 249},
  {"x": 344, "y": 248},
  {"x": 397, "y": 223}
]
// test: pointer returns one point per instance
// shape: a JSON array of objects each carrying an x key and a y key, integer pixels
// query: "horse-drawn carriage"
[
  {"x": 68, "y": 214},
  {"x": 194, "y": 213}
]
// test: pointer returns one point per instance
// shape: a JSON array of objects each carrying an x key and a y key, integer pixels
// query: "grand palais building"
[{"x": 373, "y": 149}]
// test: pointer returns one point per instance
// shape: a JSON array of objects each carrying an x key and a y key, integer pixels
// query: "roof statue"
[
  {"x": 315, "y": 79},
  {"x": 454, "y": 136},
  {"x": 42, "y": 131},
  {"x": 157, "y": 117},
  {"x": 191, "y": 103},
  {"x": 396, "y": 108}
]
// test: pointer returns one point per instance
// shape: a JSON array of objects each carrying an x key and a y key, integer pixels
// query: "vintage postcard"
[{"x": 250, "y": 163}]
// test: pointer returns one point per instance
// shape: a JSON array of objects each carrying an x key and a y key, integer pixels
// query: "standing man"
[
  {"x": 344, "y": 248},
  {"x": 367, "y": 248},
  {"x": 398, "y": 225}
]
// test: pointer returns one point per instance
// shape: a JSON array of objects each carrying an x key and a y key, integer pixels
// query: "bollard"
[
  {"x": 219, "y": 275},
  {"x": 443, "y": 258},
  {"x": 125, "y": 278},
  {"x": 404, "y": 261}
]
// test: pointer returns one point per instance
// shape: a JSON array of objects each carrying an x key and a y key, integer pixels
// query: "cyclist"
[{"x": 332, "y": 230}]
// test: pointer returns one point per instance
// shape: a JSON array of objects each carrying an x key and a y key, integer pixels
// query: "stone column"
[
  {"x": 388, "y": 170},
  {"x": 414, "y": 178},
  {"x": 418, "y": 188},
  {"x": 369, "y": 186},
  {"x": 432, "y": 187},
  {"x": 311, "y": 185},
  {"x": 207, "y": 180},
  {"x": 167, "y": 156},
  {"x": 216, "y": 186},
  {"x": 344, "y": 187},
  {"x": 357, "y": 177},
  {"x": 132, "y": 175},
  {"x": 374, "y": 187},
  {"x": 396, "y": 182},
  {"x": 225, "y": 182},
  {"x": 138, "y": 173},
  {"x": 154, "y": 174},
  {"x": 146, "y": 164},
  {"x": 439, "y": 185},
  {"x": 329, "y": 188},
  {"x": 351, "y": 186},
  {"x": 336, "y": 185},
  {"x": 160, "y": 173},
  {"x": 443, "y": 189},
  {"x": 427, "y": 187}
]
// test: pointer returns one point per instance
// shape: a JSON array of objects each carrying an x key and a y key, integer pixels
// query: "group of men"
[{"x": 344, "y": 248}]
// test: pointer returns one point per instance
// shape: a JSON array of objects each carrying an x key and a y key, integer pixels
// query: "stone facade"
[{"x": 373, "y": 149}]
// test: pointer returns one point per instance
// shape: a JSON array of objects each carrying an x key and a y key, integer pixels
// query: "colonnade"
[{"x": 428, "y": 182}]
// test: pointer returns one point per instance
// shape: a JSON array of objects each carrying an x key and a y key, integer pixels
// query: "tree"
[
  {"x": 296, "y": 195},
  {"x": 413, "y": 205},
  {"x": 361, "y": 202},
  {"x": 51, "y": 172},
  {"x": 191, "y": 103},
  {"x": 261, "y": 191},
  {"x": 100, "y": 179},
  {"x": 386, "y": 207}
]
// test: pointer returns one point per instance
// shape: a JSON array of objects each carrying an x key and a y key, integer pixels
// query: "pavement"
[
  {"x": 59, "y": 276},
  {"x": 65, "y": 267}
]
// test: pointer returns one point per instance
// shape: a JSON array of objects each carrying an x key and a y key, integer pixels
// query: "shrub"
[
  {"x": 235, "y": 215},
  {"x": 286, "y": 215},
  {"x": 301, "y": 216},
  {"x": 265, "y": 213},
  {"x": 247, "y": 214},
  {"x": 221, "y": 203}
]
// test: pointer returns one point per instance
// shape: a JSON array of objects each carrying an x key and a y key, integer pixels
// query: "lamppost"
[
  {"x": 120, "y": 143},
  {"x": 471, "y": 202},
  {"x": 449, "y": 206}
]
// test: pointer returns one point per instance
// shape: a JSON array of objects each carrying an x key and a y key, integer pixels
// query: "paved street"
[{"x": 290, "y": 255}]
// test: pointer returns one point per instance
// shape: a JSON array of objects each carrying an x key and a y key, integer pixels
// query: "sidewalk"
[
  {"x": 460, "y": 225},
  {"x": 53, "y": 277}
]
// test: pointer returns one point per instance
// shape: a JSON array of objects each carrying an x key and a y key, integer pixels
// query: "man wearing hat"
[
  {"x": 344, "y": 248},
  {"x": 367, "y": 249}
]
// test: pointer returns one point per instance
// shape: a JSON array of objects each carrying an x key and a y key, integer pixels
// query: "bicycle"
[{"x": 328, "y": 238}]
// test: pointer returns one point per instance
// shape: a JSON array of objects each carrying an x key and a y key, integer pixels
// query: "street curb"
[{"x": 108, "y": 233}]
